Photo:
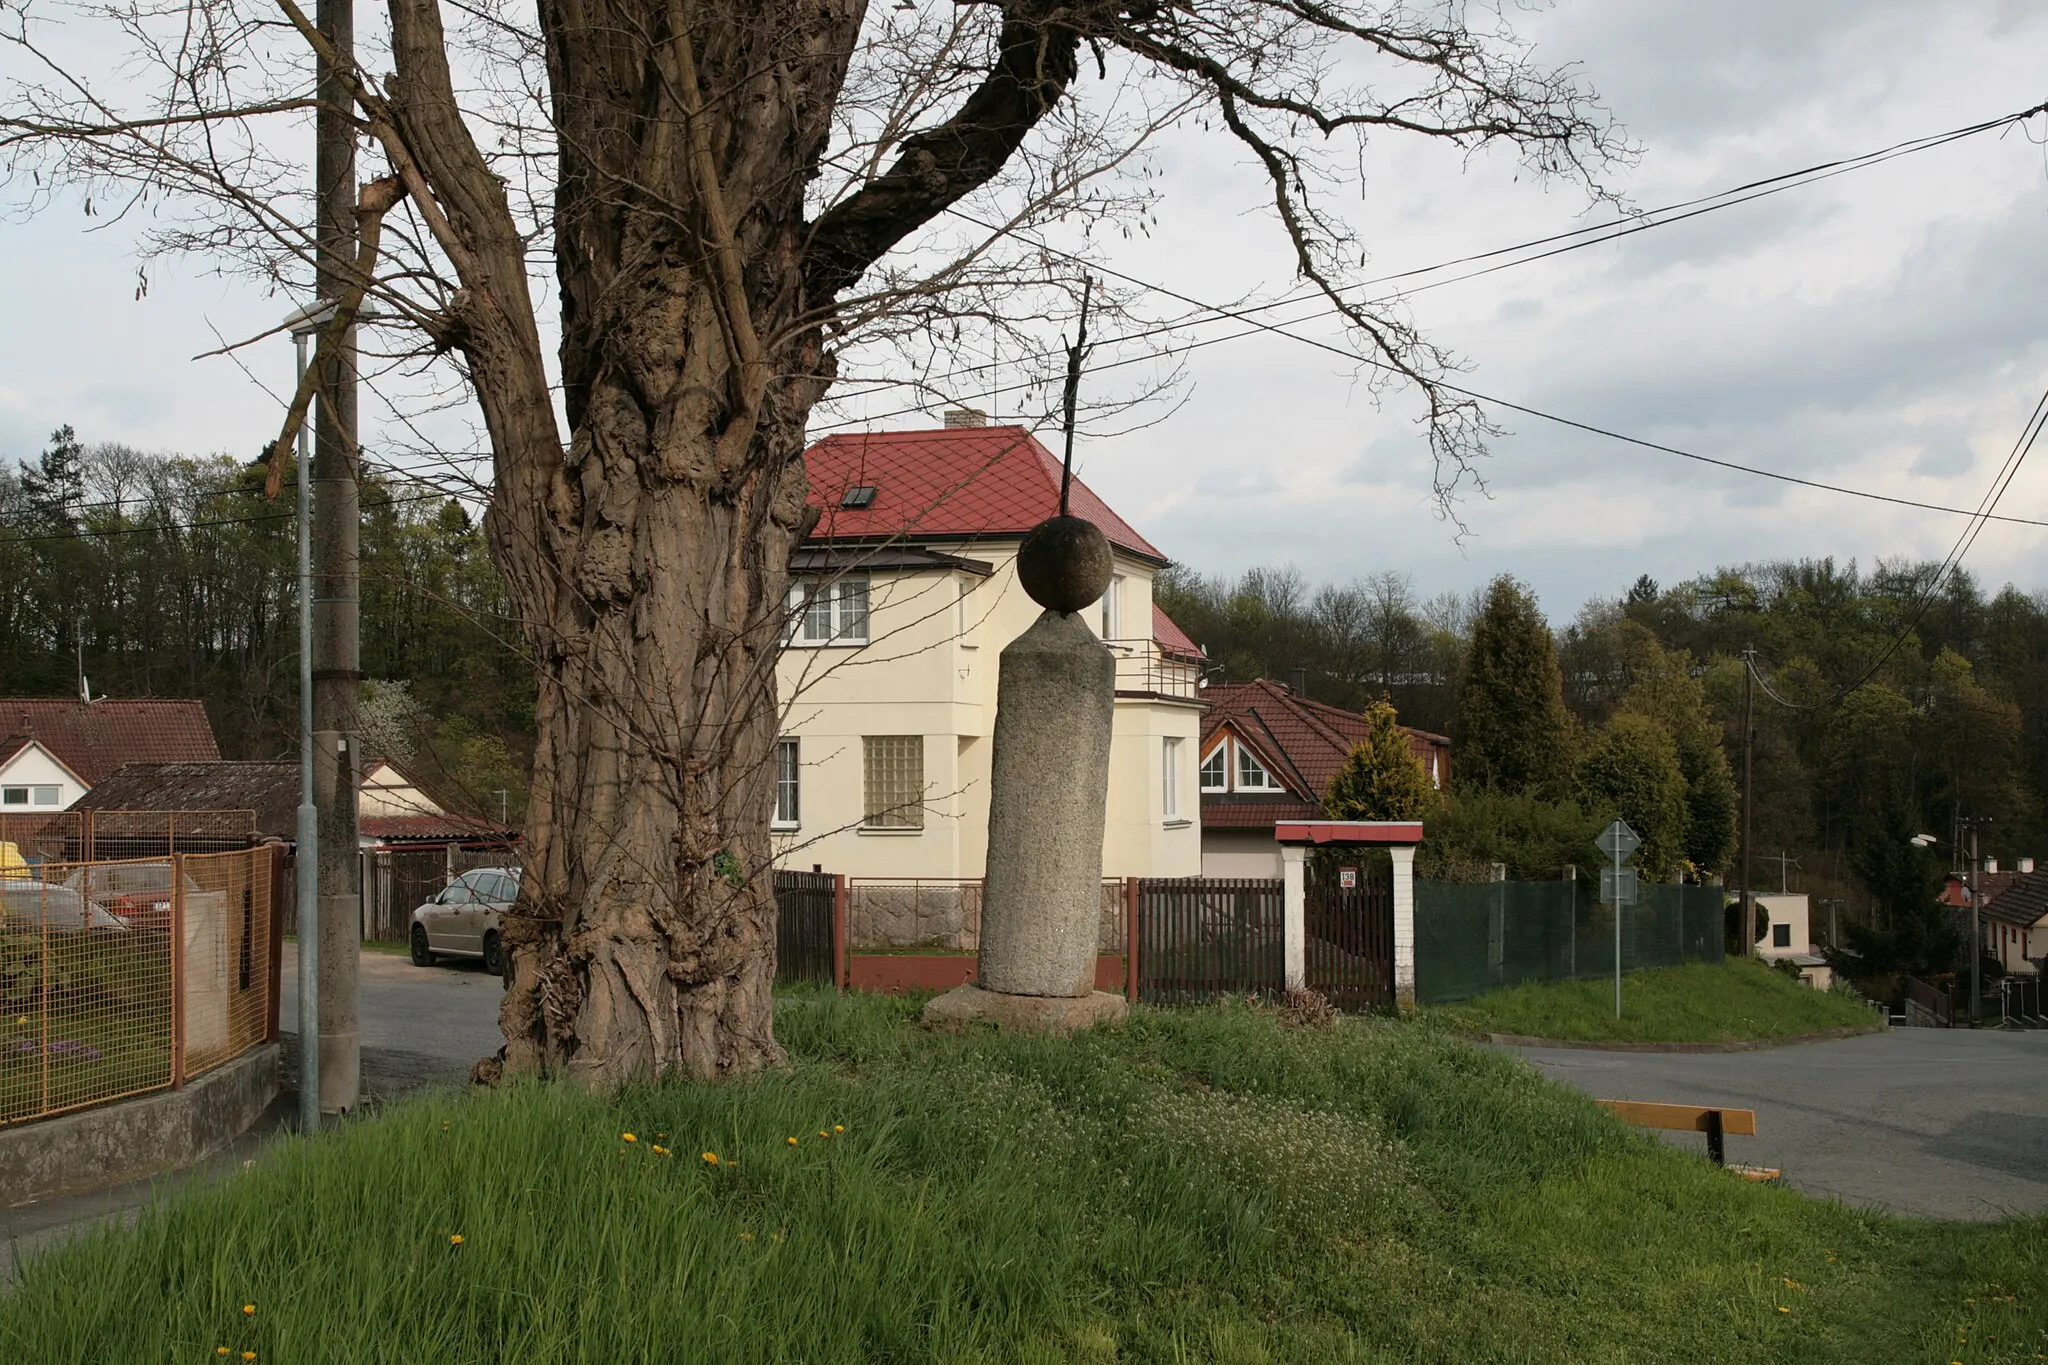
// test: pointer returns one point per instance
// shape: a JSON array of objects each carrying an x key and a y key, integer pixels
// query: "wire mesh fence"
[
  {"x": 1471, "y": 938},
  {"x": 118, "y": 978},
  {"x": 72, "y": 836}
]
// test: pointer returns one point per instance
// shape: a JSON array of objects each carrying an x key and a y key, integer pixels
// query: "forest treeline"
[
  {"x": 173, "y": 576},
  {"x": 1894, "y": 703}
]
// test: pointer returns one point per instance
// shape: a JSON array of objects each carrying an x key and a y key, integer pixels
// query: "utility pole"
[
  {"x": 336, "y": 626},
  {"x": 1748, "y": 788},
  {"x": 1976, "y": 931}
]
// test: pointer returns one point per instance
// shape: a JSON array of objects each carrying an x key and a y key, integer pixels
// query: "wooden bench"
[{"x": 1716, "y": 1123}]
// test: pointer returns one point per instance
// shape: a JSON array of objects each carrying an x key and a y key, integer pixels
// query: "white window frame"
[
  {"x": 833, "y": 611},
  {"x": 1241, "y": 780},
  {"x": 788, "y": 783},
  {"x": 963, "y": 619},
  {"x": 1169, "y": 779},
  {"x": 13, "y": 796},
  {"x": 47, "y": 796},
  {"x": 1113, "y": 608},
  {"x": 1221, "y": 751}
]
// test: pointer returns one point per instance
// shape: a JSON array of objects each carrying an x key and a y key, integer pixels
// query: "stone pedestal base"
[{"x": 1026, "y": 1013}]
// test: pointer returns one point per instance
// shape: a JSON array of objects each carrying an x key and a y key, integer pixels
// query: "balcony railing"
[{"x": 1143, "y": 669}]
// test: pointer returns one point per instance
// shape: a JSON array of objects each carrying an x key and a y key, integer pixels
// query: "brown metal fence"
[
  {"x": 122, "y": 977},
  {"x": 398, "y": 879},
  {"x": 1201, "y": 937},
  {"x": 88, "y": 836},
  {"x": 806, "y": 931}
]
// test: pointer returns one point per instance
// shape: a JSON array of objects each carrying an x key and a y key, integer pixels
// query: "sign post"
[{"x": 1618, "y": 886}]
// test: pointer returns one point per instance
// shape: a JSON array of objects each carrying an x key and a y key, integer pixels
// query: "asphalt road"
[
  {"x": 421, "y": 1026},
  {"x": 1934, "y": 1123}
]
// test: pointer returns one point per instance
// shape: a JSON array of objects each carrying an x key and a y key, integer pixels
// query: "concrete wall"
[
  {"x": 929, "y": 669},
  {"x": 115, "y": 1143}
]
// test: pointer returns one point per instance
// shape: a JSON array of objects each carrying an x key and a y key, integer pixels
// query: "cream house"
[{"x": 902, "y": 599}]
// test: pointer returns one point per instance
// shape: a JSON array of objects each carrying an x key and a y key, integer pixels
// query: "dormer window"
[
  {"x": 1216, "y": 769},
  {"x": 1252, "y": 774}
]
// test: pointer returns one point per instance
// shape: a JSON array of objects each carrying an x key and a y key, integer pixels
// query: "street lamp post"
[{"x": 304, "y": 323}]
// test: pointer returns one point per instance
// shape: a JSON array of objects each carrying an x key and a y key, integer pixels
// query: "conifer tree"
[
  {"x": 1382, "y": 779},
  {"x": 1513, "y": 734}
]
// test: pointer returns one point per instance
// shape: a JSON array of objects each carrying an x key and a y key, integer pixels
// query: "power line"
[{"x": 1576, "y": 238}]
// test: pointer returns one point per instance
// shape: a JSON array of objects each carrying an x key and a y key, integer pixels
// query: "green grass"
[
  {"x": 1732, "y": 1001},
  {"x": 1198, "y": 1186}
]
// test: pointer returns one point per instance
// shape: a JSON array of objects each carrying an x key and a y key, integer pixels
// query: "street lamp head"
[
  {"x": 1922, "y": 840},
  {"x": 311, "y": 318}
]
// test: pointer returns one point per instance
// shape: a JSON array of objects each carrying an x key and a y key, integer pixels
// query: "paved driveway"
[
  {"x": 421, "y": 1025},
  {"x": 1932, "y": 1122}
]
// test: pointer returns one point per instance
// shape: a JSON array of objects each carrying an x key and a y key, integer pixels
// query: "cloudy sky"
[{"x": 1886, "y": 330}]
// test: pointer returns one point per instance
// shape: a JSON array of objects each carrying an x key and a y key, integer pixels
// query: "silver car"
[
  {"x": 462, "y": 921},
  {"x": 30, "y": 907}
]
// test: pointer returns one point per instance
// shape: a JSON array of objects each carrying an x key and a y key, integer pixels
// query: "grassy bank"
[
  {"x": 1198, "y": 1186},
  {"x": 1733, "y": 1001}
]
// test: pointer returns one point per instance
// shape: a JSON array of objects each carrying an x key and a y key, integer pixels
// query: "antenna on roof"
[{"x": 1074, "y": 354}]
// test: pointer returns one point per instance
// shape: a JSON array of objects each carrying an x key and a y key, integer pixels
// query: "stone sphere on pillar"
[{"x": 1064, "y": 564}]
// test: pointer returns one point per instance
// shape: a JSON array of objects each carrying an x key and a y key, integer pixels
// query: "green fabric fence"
[{"x": 1473, "y": 937}]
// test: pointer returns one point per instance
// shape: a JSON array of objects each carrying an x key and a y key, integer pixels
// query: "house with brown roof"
[
  {"x": 58, "y": 748},
  {"x": 392, "y": 805},
  {"x": 901, "y": 601},
  {"x": 1268, "y": 754},
  {"x": 2013, "y": 913}
]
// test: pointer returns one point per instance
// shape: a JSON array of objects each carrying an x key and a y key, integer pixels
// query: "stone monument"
[{"x": 1049, "y": 785}]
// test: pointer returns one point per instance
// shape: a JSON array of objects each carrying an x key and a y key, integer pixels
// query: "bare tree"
[{"x": 714, "y": 200}]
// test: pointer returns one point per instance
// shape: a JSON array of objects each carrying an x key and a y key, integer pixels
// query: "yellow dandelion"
[
  {"x": 627, "y": 1137},
  {"x": 248, "y": 1310},
  {"x": 1783, "y": 1309},
  {"x": 248, "y": 1355},
  {"x": 455, "y": 1239},
  {"x": 220, "y": 1350},
  {"x": 660, "y": 1150},
  {"x": 711, "y": 1158},
  {"x": 790, "y": 1141},
  {"x": 822, "y": 1133},
  {"x": 838, "y": 1127},
  {"x": 746, "y": 1237}
]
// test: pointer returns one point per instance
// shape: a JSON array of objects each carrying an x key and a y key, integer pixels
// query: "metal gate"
[
  {"x": 804, "y": 938},
  {"x": 1201, "y": 937},
  {"x": 1350, "y": 928}
]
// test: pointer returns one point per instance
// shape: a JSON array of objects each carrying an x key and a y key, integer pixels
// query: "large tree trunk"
[
  {"x": 654, "y": 594},
  {"x": 648, "y": 560}
]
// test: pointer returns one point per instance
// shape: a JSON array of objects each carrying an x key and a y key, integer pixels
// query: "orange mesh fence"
[
  {"x": 73, "y": 836},
  {"x": 118, "y": 978}
]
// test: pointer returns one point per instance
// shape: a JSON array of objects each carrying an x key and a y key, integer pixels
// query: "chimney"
[
  {"x": 965, "y": 417},
  {"x": 1299, "y": 678},
  {"x": 1990, "y": 864},
  {"x": 2025, "y": 865}
]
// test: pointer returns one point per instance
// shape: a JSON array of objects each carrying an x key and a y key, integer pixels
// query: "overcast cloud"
[{"x": 1884, "y": 330}]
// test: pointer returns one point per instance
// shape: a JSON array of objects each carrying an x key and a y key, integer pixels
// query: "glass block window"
[{"x": 893, "y": 781}]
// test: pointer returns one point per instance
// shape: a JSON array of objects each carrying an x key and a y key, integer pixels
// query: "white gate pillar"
[
  {"x": 1404, "y": 924},
  {"x": 1294, "y": 914}
]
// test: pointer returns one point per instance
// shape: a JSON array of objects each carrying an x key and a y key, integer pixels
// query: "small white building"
[
  {"x": 58, "y": 748},
  {"x": 901, "y": 602},
  {"x": 1789, "y": 938}
]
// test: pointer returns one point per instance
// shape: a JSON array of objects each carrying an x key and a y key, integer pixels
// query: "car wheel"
[
  {"x": 421, "y": 956},
  {"x": 494, "y": 961}
]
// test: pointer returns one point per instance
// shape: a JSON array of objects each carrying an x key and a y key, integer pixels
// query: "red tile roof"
[
  {"x": 1171, "y": 638},
  {"x": 957, "y": 483},
  {"x": 1232, "y": 813},
  {"x": 1303, "y": 743},
  {"x": 93, "y": 739}
]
